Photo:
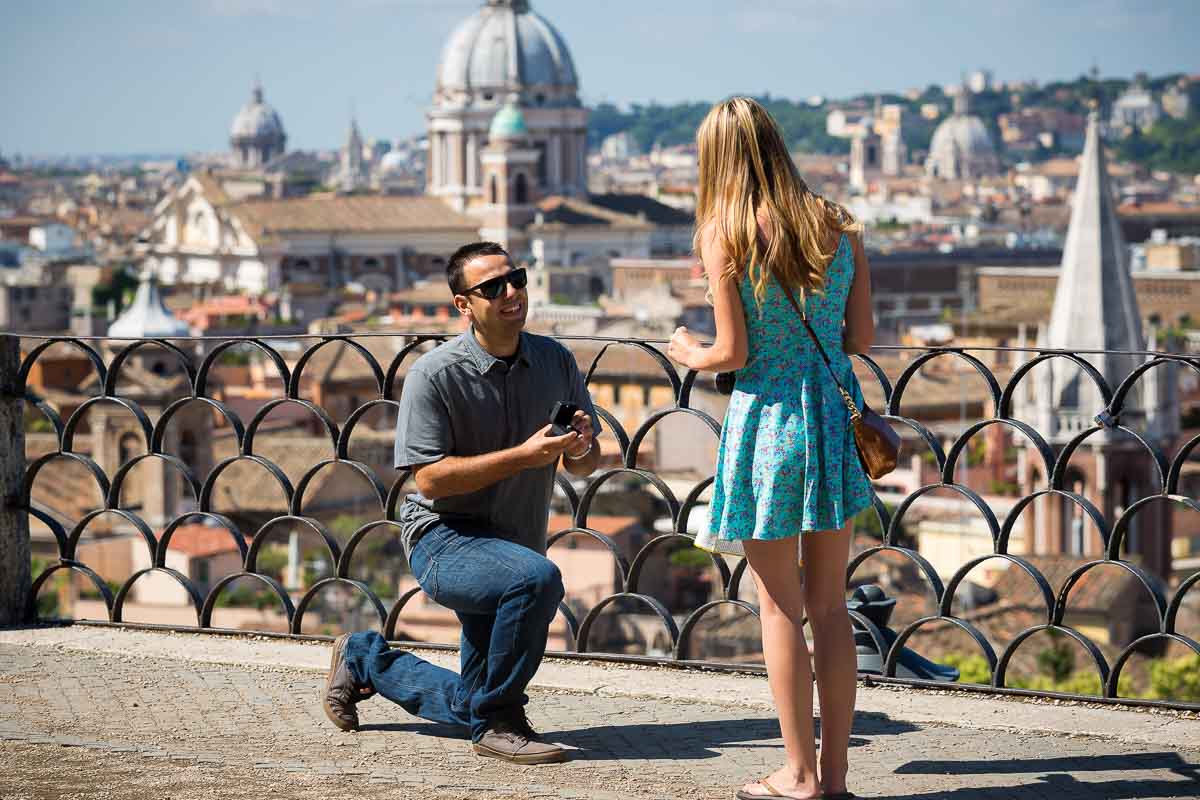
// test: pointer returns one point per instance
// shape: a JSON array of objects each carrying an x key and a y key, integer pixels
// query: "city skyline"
[{"x": 121, "y": 80}]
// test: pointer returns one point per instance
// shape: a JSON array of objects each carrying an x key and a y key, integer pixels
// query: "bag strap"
[{"x": 855, "y": 414}]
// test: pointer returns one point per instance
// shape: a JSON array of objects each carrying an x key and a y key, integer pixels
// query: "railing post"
[{"x": 14, "y": 520}]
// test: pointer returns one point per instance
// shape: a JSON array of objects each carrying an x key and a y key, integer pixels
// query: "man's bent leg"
[
  {"x": 488, "y": 576},
  {"x": 473, "y": 653},
  {"x": 422, "y": 689},
  {"x": 519, "y": 634}
]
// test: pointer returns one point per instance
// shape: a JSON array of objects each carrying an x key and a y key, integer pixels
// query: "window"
[
  {"x": 541, "y": 163},
  {"x": 370, "y": 264},
  {"x": 521, "y": 190},
  {"x": 187, "y": 449},
  {"x": 492, "y": 191},
  {"x": 127, "y": 447},
  {"x": 202, "y": 575},
  {"x": 1074, "y": 537}
]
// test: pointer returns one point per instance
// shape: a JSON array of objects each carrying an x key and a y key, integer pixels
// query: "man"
[{"x": 474, "y": 427}]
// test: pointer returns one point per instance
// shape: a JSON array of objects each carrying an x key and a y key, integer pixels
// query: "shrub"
[
  {"x": 1175, "y": 679},
  {"x": 971, "y": 668}
]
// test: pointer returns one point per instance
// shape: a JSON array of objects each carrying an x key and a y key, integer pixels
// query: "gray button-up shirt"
[{"x": 459, "y": 400}]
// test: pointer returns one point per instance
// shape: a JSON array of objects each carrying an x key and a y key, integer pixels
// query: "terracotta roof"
[
  {"x": 365, "y": 214},
  {"x": 211, "y": 187},
  {"x": 618, "y": 360},
  {"x": 202, "y": 541},
  {"x": 1098, "y": 590},
  {"x": 608, "y": 525},
  {"x": 431, "y": 292},
  {"x": 633, "y": 204},
  {"x": 564, "y": 211},
  {"x": 1158, "y": 209},
  {"x": 341, "y": 362}
]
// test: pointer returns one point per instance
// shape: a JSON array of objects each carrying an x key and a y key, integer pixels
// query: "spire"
[
  {"x": 1095, "y": 307},
  {"x": 256, "y": 93},
  {"x": 515, "y": 5}
]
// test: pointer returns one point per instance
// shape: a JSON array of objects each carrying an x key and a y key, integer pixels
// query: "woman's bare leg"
[
  {"x": 825, "y": 557},
  {"x": 776, "y": 569}
]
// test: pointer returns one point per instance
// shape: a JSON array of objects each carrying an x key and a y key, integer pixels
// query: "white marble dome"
[
  {"x": 257, "y": 120},
  {"x": 961, "y": 147},
  {"x": 506, "y": 48}
]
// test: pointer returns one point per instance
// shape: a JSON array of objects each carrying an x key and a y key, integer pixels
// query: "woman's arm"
[
  {"x": 859, "y": 333},
  {"x": 730, "y": 349}
]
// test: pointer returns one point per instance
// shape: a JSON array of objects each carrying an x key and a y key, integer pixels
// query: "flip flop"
[{"x": 773, "y": 792}]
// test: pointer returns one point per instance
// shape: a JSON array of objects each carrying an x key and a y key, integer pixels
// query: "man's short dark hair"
[{"x": 464, "y": 255}]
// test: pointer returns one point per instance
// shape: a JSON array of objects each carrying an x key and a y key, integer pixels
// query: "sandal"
[{"x": 773, "y": 792}]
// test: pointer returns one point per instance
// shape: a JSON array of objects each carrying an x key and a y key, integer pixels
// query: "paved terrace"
[{"x": 106, "y": 713}]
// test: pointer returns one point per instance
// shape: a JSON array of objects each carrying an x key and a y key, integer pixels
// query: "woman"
[{"x": 787, "y": 462}]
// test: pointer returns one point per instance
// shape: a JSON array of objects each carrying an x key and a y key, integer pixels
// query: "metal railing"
[{"x": 632, "y": 598}]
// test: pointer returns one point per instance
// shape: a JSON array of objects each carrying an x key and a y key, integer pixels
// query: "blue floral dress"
[{"x": 787, "y": 461}]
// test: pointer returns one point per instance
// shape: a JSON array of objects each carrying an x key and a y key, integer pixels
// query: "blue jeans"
[{"x": 505, "y": 596}]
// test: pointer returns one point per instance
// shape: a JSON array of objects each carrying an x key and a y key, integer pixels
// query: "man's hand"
[
  {"x": 581, "y": 423},
  {"x": 542, "y": 448}
]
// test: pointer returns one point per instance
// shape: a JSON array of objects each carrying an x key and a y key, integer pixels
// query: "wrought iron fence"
[{"x": 595, "y": 627}]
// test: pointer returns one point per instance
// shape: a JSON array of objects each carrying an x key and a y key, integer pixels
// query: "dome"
[
  {"x": 505, "y": 46},
  {"x": 967, "y": 134},
  {"x": 392, "y": 162},
  {"x": 962, "y": 147},
  {"x": 257, "y": 121},
  {"x": 509, "y": 123},
  {"x": 147, "y": 317}
]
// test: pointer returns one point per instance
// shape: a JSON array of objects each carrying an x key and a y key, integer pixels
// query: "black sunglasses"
[{"x": 494, "y": 287}]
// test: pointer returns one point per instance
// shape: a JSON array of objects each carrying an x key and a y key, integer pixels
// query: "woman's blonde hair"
[{"x": 745, "y": 168}]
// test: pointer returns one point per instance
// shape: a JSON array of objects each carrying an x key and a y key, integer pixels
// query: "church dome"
[
  {"x": 507, "y": 47},
  {"x": 509, "y": 123},
  {"x": 965, "y": 133},
  {"x": 257, "y": 121},
  {"x": 961, "y": 147},
  {"x": 393, "y": 162}
]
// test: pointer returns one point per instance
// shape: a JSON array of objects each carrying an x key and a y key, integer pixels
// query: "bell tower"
[
  {"x": 1095, "y": 309},
  {"x": 509, "y": 181}
]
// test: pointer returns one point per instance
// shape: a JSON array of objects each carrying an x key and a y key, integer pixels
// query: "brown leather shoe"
[
  {"x": 509, "y": 741},
  {"x": 341, "y": 692}
]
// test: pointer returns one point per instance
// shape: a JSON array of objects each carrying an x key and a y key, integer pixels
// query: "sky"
[{"x": 167, "y": 76}]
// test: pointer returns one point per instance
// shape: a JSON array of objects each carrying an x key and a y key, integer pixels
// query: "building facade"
[{"x": 201, "y": 236}]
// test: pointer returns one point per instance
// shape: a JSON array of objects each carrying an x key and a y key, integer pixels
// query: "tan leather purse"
[{"x": 877, "y": 444}]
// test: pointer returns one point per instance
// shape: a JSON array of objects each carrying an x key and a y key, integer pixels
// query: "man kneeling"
[{"x": 473, "y": 427}]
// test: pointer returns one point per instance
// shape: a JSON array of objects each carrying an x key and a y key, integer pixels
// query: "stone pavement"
[{"x": 98, "y": 712}]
